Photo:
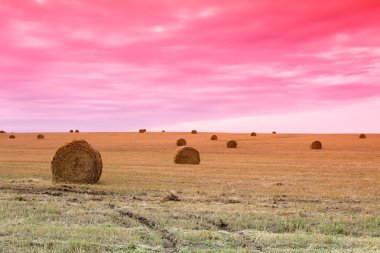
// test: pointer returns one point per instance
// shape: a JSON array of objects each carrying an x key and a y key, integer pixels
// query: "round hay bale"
[
  {"x": 231, "y": 144},
  {"x": 181, "y": 142},
  {"x": 316, "y": 145},
  {"x": 214, "y": 137},
  {"x": 2, "y": 132},
  {"x": 77, "y": 162},
  {"x": 77, "y": 131},
  {"x": 362, "y": 136},
  {"x": 71, "y": 131},
  {"x": 163, "y": 131},
  {"x": 141, "y": 131},
  {"x": 40, "y": 136},
  {"x": 194, "y": 131},
  {"x": 253, "y": 134},
  {"x": 274, "y": 132},
  {"x": 12, "y": 137},
  {"x": 187, "y": 155}
]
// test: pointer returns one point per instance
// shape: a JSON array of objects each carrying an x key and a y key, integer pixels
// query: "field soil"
[{"x": 270, "y": 194}]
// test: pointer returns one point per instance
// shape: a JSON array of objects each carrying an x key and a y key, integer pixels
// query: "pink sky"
[{"x": 249, "y": 65}]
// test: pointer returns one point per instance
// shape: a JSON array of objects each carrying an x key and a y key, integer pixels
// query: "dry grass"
[{"x": 272, "y": 194}]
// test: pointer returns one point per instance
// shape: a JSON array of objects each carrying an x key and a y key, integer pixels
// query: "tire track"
[{"x": 170, "y": 243}]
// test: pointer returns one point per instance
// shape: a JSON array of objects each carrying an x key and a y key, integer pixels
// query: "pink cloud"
[{"x": 157, "y": 63}]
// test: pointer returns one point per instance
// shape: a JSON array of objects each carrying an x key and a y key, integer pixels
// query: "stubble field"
[{"x": 270, "y": 194}]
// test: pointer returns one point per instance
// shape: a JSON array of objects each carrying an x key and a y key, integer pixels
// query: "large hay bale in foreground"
[
  {"x": 316, "y": 145},
  {"x": 187, "y": 155},
  {"x": 214, "y": 137},
  {"x": 181, "y": 142},
  {"x": 77, "y": 162},
  {"x": 77, "y": 131},
  {"x": 362, "y": 136},
  {"x": 253, "y": 134},
  {"x": 231, "y": 144},
  {"x": 40, "y": 136},
  {"x": 12, "y": 137},
  {"x": 194, "y": 131}
]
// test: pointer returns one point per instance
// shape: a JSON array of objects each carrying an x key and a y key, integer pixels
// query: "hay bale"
[
  {"x": 2, "y": 132},
  {"x": 316, "y": 145},
  {"x": 77, "y": 162},
  {"x": 214, "y": 137},
  {"x": 194, "y": 132},
  {"x": 187, "y": 155},
  {"x": 274, "y": 132},
  {"x": 231, "y": 144},
  {"x": 12, "y": 136},
  {"x": 163, "y": 131},
  {"x": 77, "y": 131},
  {"x": 181, "y": 142},
  {"x": 40, "y": 136},
  {"x": 141, "y": 131},
  {"x": 253, "y": 134},
  {"x": 362, "y": 136},
  {"x": 71, "y": 131}
]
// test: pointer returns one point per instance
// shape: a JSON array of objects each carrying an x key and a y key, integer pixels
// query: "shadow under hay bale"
[
  {"x": 231, "y": 144},
  {"x": 253, "y": 134},
  {"x": 77, "y": 162},
  {"x": 214, "y": 137},
  {"x": 194, "y": 131},
  {"x": 12, "y": 137},
  {"x": 181, "y": 142},
  {"x": 316, "y": 145},
  {"x": 187, "y": 155},
  {"x": 40, "y": 136},
  {"x": 362, "y": 136}
]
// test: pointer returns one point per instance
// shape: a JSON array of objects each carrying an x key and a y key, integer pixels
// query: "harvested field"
[{"x": 271, "y": 194}]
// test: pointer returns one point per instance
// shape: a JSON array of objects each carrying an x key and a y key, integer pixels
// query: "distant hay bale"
[
  {"x": 12, "y": 137},
  {"x": 77, "y": 131},
  {"x": 362, "y": 136},
  {"x": 181, "y": 142},
  {"x": 71, "y": 131},
  {"x": 316, "y": 145},
  {"x": 163, "y": 131},
  {"x": 187, "y": 155},
  {"x": 141, "y": 131},
  {"x": 194, "y": 131},
  {"x": 214, "y": 137},
  {"x": 274, "y": 132},
  {"x": 253, "y": 134},
  {"x": 231, "y": 144},
  {"x": 2, "y": 132},
  {"x": 40, "y": 136},
  {"x": 77, "y": 162}
]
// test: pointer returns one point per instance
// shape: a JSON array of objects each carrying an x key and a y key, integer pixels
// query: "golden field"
[{"x": 270, "y": 194}]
